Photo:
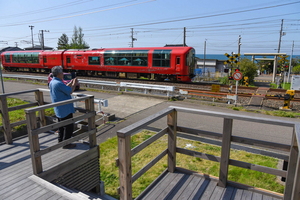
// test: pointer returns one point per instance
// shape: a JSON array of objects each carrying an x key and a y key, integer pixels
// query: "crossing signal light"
[
  {"x": 226, "y": 70},
  {"x": 230, "y": 78},
  {"x": 237, "y": 70},
  {"x": 286, "y": 66}
]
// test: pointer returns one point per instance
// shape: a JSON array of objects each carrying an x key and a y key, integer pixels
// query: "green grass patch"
[
  {"x": 287, "y": 86},
  {"x": 110, "y": 173}
]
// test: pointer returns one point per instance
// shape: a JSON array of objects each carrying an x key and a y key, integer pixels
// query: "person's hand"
[{"x": 75, "y": 81}]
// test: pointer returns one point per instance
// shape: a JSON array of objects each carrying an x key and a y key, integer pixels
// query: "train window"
[
  {"x": 126, "y": 57},
  {"x": 162, "y": 58},
  {"x": 94, "y": 60},
  {"x": 7, "y": 58},
  {"x": 21, "y": 58},
  {"x": 68, "y": 60},
  {"x": 178, "y": 60},
  {"x": 45, "y": 59},
  {"x": 35, "y": 58},
  {"x": 15, "y": 58},
  {"x": 28, "y": 58}
]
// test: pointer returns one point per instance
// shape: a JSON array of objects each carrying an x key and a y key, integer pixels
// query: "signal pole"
[
  {"x": 132, "y": 38},
  {"x": 16, "y": 44},
  {"x": 239, "y": 50},
  {"x": 204, "y": 58},
  {"x": 290, "y": 65},
  {"x": 184, "y": 37},
  {"x": 32, "y": 36},
  {"x": 42, "y": 38}
]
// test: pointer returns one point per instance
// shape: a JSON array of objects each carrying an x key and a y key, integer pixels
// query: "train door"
[
  {"x": 177, "y": 68},
  {"x": 45, "y": 61},
  {"x": 68, "y": 63}
]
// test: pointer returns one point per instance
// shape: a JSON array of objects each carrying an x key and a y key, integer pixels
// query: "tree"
[
  {"x": 77, "y": 41},
  {"x": 63, "y": 42},
  {"x": 296, "y": 69},
  {"x": 248, "y": 68}
]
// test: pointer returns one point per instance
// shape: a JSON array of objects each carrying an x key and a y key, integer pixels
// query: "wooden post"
[
  {"x": 225, "y": 152},
  {"x": 172, "y": 138},
  {"x": 291, "y": 168},
  {"x": 34, "y": 143},
  {"x": 89, "y": 105},
  {"x": 125, "y": 176},
  {"x": 5, "y": 120},
  {"x": 296, "y": 187},
  {"x": 39, "y": 97}
]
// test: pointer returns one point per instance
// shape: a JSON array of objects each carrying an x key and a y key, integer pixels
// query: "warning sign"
[
  {"x": 237, "y": 76},
  {"x": 215, "y": 88}
]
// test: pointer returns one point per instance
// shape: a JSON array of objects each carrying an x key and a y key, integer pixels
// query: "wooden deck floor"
[
  {"x": 16, "y": 168},
  {"x": 190, "y": 187}
]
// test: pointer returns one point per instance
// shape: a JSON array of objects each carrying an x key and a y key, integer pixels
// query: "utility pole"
[
  {"x": 239, "y": 50},
  {"x": 290, "y": 65},
  {"x": 132, "y": 38},
  {"x": 184, "y": 37},
  {"x": 42, "y": 38},
  {"x": 278, "y": 50},
  {"x": 204, "y": 57},
  {"x": 16, "y": 44},
  {"x": 280, "y": 36},
  {"x": 32, "y": 36}
]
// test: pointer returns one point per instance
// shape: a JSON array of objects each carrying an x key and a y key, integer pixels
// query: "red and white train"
[{"x": 174, "y": 63}]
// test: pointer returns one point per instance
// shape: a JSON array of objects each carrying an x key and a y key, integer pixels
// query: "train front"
[{"x": 190, "y": 63}]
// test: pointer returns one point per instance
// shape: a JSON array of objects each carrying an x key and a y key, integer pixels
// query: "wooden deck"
[
  {"x": 17, "y": 179},
  {"x": 183, "y": 186}
]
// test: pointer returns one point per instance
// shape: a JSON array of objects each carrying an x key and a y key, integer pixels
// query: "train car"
[
  {"x": 33, "y": 61},
  {"x": 174, "y": 63},
  {"x": 159, "y": 63}
]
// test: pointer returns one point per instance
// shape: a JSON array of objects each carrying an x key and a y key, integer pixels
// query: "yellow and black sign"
[
  {"x": 283, "y": 58},
  {"x": 215, "y": 88},
  {"x": 232, "y": 59}
]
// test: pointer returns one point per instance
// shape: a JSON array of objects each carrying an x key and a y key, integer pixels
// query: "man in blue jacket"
[{"x": 61, "y": 92}]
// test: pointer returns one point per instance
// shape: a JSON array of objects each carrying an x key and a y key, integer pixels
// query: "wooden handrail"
[
  {"x": 125, "y": 153},
  {"x": 17, "y": 93},
  {"x": 23, "y": 106},
  {"x": 30, "y": 110}
]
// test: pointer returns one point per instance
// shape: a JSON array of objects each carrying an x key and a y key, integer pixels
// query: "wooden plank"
[
  {"x": 260, "y": 143},
  {"x": 257, "y": 196},
  {"x": 242, "y": 140},
  {"x": 149, "y": 165},
  {"x": 30, "y": 110},
  {"x": 265, "y": 197},
  {"x": 237, "y": 195},
  {"x": 259, "y": 168},
  {"x": 197, "y": 193},
  {"x": 34, "y": 143},
  {"x": 217, "y": 193},
  {"x": 225, "y": 152},
  {"x": 142, "y": 123},
  {"x": 198, "y": 154},
  {"x": 62, "y": 123},
  {"x": 296, "y": 186},
  {"x": 125, "y": 174},
  {"x": 208, "y": 134},
  {"x": 190, "y": 188},
  {"x": 247, "y": 195},
  {"x": 39, "y": 97},
  {"x": 172, "y": 140},
  {"x": 65, "y": 142},
  {"x": 179, "y": 187},
  {"x": 209, "y": 190},
  {"x": 234, "y": 116},
  {"x": 153, "y": 184},
  {"x": 149, "y": 141},
  {"x": 89, "y": 105},
  {"x": 5, "y": 120},
  {"x": 171, "y": 186},
  {"x": 22, "y": 106},
  {"x": 228, "y": 191},
  {"x": 17, "y": 93},
  {"x": 47, "y": 195},
  {"x": 7, "y": 191},
  {"x": 28, "y": 194},
  {"x": 69, "y": 165},
  {"x": 235, "y": 146},
  {"x": 21, "y": 192}
]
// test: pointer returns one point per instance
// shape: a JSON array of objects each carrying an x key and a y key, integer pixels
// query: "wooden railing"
[
  {"x": 33, "y": 131},
  {"x": 292, "y": 189},
  {"x": 6, "y": 125}
]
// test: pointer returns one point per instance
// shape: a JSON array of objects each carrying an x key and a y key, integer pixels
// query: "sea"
[{"x": 223, "y": 57}]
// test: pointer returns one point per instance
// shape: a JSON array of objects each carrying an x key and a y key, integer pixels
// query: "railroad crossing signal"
[
  {"x": 283, "y": 58},
  {"x": 232, "y": 59}
]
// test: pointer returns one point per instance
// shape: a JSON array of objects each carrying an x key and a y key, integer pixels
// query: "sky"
[{"x": 155, "y": 23}]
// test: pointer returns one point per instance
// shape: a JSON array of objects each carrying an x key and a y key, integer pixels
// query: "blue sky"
[{"x": 108, "y": 24}]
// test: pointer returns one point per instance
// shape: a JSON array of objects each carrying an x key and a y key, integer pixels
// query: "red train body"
[{"x": 174, "y": 63}]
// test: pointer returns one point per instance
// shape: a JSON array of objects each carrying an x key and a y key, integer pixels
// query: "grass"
[
  {"x": 19, "y": 115},
  {"x": 110, "y": 173},
  {"x": 287, "y": 86},
  {"x": 279, "y": 113}
]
